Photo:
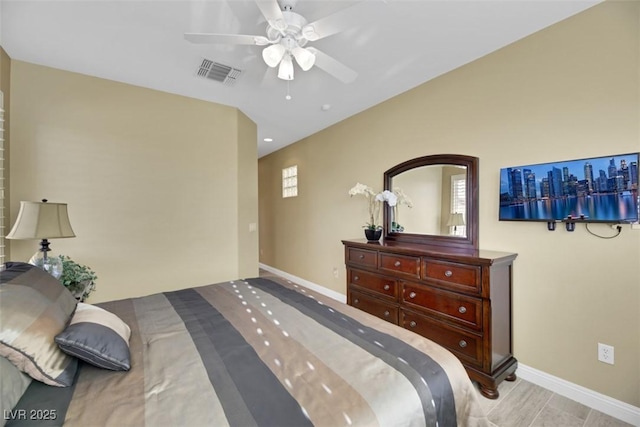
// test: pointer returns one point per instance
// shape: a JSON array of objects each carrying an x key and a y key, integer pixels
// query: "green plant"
[{"x": 79, "y": 279}]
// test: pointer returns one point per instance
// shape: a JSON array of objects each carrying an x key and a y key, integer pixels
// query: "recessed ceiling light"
[
  {"x": 325, "y": 107},
  {"x": 268, "y": 140}
]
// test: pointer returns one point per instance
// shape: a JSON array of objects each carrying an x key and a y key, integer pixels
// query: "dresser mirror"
[{"x": 437, "y": 201}]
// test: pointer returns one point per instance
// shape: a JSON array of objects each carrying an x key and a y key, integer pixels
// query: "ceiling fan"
[{"x": 287, "y": 36}]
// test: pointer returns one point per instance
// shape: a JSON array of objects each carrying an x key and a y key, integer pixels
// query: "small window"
[
  {"x": 290, "y": 181},
  {"x": 459, "y": 202}
]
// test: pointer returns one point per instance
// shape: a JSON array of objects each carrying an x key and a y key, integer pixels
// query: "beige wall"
[
  {"x": 247, "y": 182},
  {"x": 567, "y": 92},
  {"x": 5, "y": 87},
  {"x": 151, "y": 179}
]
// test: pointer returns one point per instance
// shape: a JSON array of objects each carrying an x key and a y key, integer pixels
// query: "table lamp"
[
  {"x": 43, "y": 220},
  {"x": 455, "y": 219}
]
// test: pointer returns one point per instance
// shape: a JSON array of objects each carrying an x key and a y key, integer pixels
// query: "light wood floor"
[{"x": 523, "y": 404}]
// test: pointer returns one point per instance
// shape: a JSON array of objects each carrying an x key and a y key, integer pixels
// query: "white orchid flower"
[
  {"x": 387, "y": 196},
  {"x": 361, "y": 189},
  {"x": 374, "y": 204},
  {"x": 403, "y": 199}
]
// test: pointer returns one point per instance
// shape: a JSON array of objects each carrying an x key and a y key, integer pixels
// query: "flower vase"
[{"x": 373, "y": 235}]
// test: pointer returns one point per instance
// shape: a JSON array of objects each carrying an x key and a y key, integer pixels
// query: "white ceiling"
[{"x": 394, "y": 45}]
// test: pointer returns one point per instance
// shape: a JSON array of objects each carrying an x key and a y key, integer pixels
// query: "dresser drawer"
[
  {"x": 466, "y": 345},
  {"x": 409, "y": 265},
  {"x": 379, "y": 284},
  {"x": 464, "y": 310},
  {"x": 378, "y": 308},
  {"x": 362, "y": 257},
  {"x": 456, "y": 276}
]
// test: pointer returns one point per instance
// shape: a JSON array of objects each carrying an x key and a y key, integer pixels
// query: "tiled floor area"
[{"x": 523, "y": 404}]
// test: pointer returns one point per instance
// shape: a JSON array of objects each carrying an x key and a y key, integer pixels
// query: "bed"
[{"x": 253, "y": 352}]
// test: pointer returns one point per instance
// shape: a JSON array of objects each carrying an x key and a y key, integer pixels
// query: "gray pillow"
[
  {"x": 34, "y": 308},
  {"x": 13, "y": 383},
  {"x": 97, "y": 337}
]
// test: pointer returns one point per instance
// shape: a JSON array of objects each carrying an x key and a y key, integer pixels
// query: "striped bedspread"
[{"x": 261, "y": 352}]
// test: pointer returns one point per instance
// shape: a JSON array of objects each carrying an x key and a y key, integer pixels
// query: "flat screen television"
[{"x": 598, "y": 189}]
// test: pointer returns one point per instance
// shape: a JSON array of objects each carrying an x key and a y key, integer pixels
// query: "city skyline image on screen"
[{"x": 598, "y": 189}]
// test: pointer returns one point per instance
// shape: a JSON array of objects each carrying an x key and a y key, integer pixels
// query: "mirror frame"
[{"x": 471, "y": 239}]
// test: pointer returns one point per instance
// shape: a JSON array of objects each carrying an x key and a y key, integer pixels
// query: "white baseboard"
[
  {"x": 320, "y": 289},
  {"x": 600, "y": 402}
]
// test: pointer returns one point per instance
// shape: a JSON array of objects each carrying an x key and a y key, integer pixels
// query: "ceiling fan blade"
[
  {"x": 337, "y": 22},
  {"x": 226, "y": 39},
  {"x": 332, "y": 66},
  {"x": 272, "y": 12},
  {"x": 269, "y": 78}
]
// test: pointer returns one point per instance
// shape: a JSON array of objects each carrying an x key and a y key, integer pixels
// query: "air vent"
[{"x": 219, "y": 72}]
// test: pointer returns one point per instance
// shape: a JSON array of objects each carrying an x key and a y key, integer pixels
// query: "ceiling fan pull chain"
[{"x": 288, "y": 97}]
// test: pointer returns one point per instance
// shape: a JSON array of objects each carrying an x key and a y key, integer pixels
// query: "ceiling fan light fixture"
[
  {"x": 287, "y": 36},
  {"x": 285, "y": 71},
  {"x": 273, "y": 54},
  {"x": 304, "y": 58}
]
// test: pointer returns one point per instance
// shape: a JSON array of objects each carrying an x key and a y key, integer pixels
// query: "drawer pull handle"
[
  {"x": 386, "y": 313},
  {"x": 462, "y": 309},
  {"x": 356, "y": 278},
  {"x": 462, "y": 343},
  {"x": 361, "y": 256},
  {"x": 412, "y": 295},
  {"x": 397, "y": 263},
  {"x": 413, "y": 323},
  {"x": 356, "y": 301},
  {"x": 387, "y": 287},
  {"x": 448, "y": 273}
]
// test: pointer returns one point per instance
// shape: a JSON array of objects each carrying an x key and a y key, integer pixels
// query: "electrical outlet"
[
  {"x": 335, "y": 272},
  {"x": 605, "y": 353}
]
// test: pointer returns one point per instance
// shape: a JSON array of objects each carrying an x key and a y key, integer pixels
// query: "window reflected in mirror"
[
  {"x": 435, "y": 192},
  {"x": 457, "y": 218}
]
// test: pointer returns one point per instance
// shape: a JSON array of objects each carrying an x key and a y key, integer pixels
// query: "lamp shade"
[
  {"x": 41, "y": 220},
  {"x": 455, "y": 219},
  {"x": 304, "y": 58},
  {"x": 273, "y": 54},
  {"x": 285, "y": 71}
]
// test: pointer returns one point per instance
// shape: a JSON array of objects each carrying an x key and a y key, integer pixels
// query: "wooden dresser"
[{"x": 460, "y": 299}]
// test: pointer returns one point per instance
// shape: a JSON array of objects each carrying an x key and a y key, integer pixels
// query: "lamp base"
[{"x": 50, "y": 263}]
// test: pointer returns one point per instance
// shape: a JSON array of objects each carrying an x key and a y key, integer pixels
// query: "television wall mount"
[{"x": 570, "y": 225}]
